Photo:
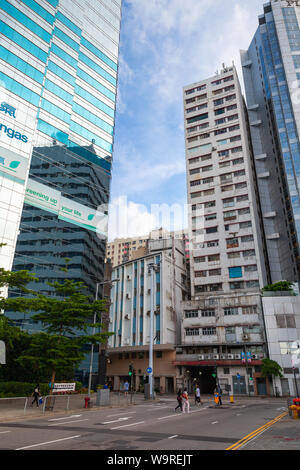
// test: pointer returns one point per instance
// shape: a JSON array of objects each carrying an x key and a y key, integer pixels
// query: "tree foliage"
[{"x": 271, "y": 368}]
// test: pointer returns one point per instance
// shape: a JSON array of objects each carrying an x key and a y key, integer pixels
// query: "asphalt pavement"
[{"x": 248, "y": 424}]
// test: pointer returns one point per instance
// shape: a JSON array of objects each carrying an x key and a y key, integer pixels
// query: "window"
[
  {"x": 245, "y": 224},
  {"x": 230, "y": 215},
  {"x": 192, "y": 331},
  {"x": 247, "y": 238},
  {"x": 209, "y": 331},
  {"x": 231, "y": 311},
  {"x": 213, "y": 258},
  {"x": 251, "y": 310},
  {"x": 232, "y": 243},
  {"x": 229, "y": 202},
  {"x": 251, "y": 284},
  {"x": 251, "y": 268},
  {"x": 285, "y": 321},
  {"x": 200, "y": 273},
  {"x": 209, "y": 204},
  {"x": 242, "y": 198},
  {"x": 248, "y": 253},
  {"x": 207, "y": 313},
  {"x": 215, "y": 272},
  {"x": 191, "y": 314},
  {"x": 235, "y": 272},
  {"x": 199, "y": 259},
  {"x": 236, "y": 285},
  {"x": 211, "y": 229},
  {"x": 233, "y": 255}
]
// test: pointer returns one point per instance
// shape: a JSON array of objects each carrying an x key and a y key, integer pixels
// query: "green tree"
[
  {"x": 270, "y": 368},
  {"x": 279, "y": 286},
  {"x": 66, "y": 319}
]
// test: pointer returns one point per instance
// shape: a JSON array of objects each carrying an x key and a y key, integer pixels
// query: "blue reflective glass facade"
[
  {"x": 273, "y": 53},
  {"x": 66, "y": 73}
]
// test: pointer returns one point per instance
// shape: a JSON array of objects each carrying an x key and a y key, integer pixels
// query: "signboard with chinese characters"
[
  {"x": 289, "y": 3},
  {"x": 13, "y": 166},
  {"x": 42, "y": 196},
  {"x": 64, "y": 387}
]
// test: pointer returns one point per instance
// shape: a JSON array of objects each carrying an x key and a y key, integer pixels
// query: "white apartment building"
[
  {"x": 130, "y": 315},
  {"x": 223, "y": 324},
  {"x": 121, "y": 250},
  {"x": 282, "y": 317}
]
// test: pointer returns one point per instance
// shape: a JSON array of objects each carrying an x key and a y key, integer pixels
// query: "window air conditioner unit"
[
  {"x": 237, "y": 356},
  {"x": 230, "y": 356},
  {"x": 223, "y": 356},
  {"x": 147, "y": 339},
  {"x": 127, "y": 316},
  {"x": 128, "y": 296},
  {"x": 207, "y": 356},
  {"x": 126, "y": 341},
  {"x": 110, "y": 320},
  {"x": 216, "y": 356},
  {"x": 245, "y": 337},
  {"x": 255, "y": 356},
  {"x": 148, "y": 313},
  {"x": 128, "y": 277},
  {"x": 149, "y": 291},
  {"x": 201, "y": 357}
]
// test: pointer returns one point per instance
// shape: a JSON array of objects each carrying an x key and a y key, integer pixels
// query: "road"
[{"x": 155, "y": 426}]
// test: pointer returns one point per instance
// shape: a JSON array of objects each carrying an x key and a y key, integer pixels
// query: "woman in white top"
[{"x": 185, "y": 401}]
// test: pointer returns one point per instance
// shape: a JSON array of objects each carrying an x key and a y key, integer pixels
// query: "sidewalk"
[{"x": 12, "y": 409}]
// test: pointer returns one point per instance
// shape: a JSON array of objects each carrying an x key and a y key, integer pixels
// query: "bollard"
[
  {"x": 231, "y": 399},
  {"x": 87, "y": 400}
]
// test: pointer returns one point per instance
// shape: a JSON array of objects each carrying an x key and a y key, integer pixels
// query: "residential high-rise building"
[
  {"x": 222, "y": 324},
  {"x": 58, "y": 79},
  {"x": 271, "y": 69}
]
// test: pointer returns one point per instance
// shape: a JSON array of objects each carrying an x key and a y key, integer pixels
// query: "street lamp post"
[
  {"x": 94, "y": 330},
  {"x": 152, "y": 268}
]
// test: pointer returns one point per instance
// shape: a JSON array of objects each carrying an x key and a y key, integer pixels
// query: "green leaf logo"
[
  {"x": 91, "y": 216},
  {"x": 14, "y": 164}
]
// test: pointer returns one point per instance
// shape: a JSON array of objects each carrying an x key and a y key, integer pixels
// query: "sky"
[{"x": 164, "y": 46}]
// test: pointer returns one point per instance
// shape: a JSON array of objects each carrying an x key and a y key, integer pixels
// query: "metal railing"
[{"x": 22, "y": 406}]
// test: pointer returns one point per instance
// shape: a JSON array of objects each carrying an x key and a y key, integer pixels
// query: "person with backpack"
[
  {"x": 179, "y": 400},
  {"x": 36, "y": 394},
  {"x": 185, "y": 401}
]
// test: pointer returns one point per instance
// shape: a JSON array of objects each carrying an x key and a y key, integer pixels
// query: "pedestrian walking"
[
  {"x": 179, "y": 400},
  {"x": 36, "y": 394},
  {"x": 219, "y": 390},
  {"x": 197, "y": 396},
  {"x": 185, "y": 401},
  {"x": 126, "y": 388}
]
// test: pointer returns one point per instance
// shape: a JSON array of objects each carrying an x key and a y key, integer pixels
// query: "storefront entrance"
[{"x": 203, "y": 376}]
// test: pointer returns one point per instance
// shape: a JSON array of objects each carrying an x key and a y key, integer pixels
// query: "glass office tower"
[
  {"x": 58, "y": 79},
  {"x": 58, "y": 85},
  {"x": 271, "y": 69}
]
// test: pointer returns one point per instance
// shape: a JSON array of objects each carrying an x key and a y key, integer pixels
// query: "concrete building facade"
[
  {"x": 130, "y": 316},
  {"x": 222, "y": 326}
]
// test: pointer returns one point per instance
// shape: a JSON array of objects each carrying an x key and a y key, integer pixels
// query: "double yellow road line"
[{"x": 255, "y": 433}]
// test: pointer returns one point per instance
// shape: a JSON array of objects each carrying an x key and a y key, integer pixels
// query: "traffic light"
[{"x": 130, "y": 372}]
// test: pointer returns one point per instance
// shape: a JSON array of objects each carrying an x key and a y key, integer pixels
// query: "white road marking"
[
  {"x": 125, "y": 425},
  {"x": 4, "y": 432},
  {"x": 215, "y": 422},
  {"x": 169, "y": 416},
  {"x": 117, "y": 420},
  {"x": 49, "y": 442},
  {"x": 67, "y": 422},
  {"x": 119, "y": 414},
  {"x": 66, "y": 417},
  {"x": 173, "y": 437}
]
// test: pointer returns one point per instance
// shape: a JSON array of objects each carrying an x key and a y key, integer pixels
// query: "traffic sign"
[{"x": 149, "y": 370}]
